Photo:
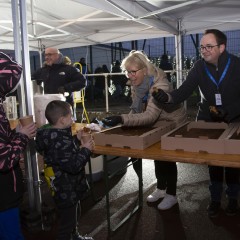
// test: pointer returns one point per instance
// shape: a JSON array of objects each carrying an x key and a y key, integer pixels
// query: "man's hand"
[
  {"x": 112, "y": 121},
  {"x": 218, "y": 114},
  {"x": 160, "y": 96}
]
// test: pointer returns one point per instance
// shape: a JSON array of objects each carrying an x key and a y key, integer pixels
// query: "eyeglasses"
[
  {"x": 133, "y": 73},
  {"x": 208, "y": 48},
  {"x": 49, "y": 54}
]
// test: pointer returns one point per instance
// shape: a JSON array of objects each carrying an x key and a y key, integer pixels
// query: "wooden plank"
[{"x": 155, "y": 152}]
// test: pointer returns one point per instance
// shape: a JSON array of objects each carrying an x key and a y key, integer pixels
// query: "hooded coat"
[
  {"x": 62, "y": 152},
  {"x": 12, "y": 143}
]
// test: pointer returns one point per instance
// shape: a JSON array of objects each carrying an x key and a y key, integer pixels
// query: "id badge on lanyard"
[{"x": 218, "y": 99}]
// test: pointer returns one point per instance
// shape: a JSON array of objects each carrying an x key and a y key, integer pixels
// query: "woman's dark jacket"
[{"x": 12, "y": 143}]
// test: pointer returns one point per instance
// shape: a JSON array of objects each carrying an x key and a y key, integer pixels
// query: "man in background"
[{"x": 57, "y": 76}]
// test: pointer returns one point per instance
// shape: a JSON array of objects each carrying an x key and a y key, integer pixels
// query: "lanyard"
[{"x": 223, "y": 74}]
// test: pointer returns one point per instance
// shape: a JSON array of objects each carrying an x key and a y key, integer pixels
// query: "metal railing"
[{"x": 106, "y": 75}]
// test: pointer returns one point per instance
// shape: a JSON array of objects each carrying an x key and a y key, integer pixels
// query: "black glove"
[
  {"x": 95, "y": 120},
  {"x": 218, "y": 114},
  {"x": 112, "y": 121},
  {"x": 160, "y": 96},
  {"x": 61, "y": 90}
]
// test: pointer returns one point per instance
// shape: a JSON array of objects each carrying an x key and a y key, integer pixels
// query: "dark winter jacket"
[
  {"x": 229, "y": 88},
  {"x": 60, "y": 75},
  {"x": 62, "y": 152},
  {"x": 12, "y": 144}
]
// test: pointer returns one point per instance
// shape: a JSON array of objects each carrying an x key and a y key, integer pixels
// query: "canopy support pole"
[
  {"x": 26, "y": 100},
  {"x": 178, "y": 48}
]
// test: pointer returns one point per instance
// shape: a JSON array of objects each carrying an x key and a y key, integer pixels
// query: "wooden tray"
[
  {"x": 232, "y": 141},
  {"x": 197, "y": 136},
  {"x": 133, "y": 137}
]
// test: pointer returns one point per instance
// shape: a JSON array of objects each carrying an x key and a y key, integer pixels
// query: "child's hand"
[
  {"x": 88, "y": 144},
  {"x": 83, "y": 131},
  {"x": 79, "y": 134},
  {"x": 29, "y": 130}
]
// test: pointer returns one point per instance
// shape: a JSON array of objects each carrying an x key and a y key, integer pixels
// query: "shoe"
[
  {"x": 232, "y": 207},
  {"x": 157, "y": 194},
  {"x": 213, "y": 209},
  {"x": 77, "y": 236},
  {"x": 168, "y": 202}
]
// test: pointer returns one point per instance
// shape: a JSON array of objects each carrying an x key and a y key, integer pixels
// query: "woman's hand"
[
  {"x": 112, "y": 121},
  {"x": 29, "y": 130}
]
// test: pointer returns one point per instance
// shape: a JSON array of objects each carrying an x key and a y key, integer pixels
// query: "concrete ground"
[{"x": 187, "y": 220}]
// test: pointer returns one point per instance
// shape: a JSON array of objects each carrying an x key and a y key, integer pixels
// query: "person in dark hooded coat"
[
  {"x": 65, "y": 162},
  {"x": 12, "y": 145}
]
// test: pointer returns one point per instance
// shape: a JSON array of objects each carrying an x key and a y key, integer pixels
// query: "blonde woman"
[{"x": 145, "y": 77}]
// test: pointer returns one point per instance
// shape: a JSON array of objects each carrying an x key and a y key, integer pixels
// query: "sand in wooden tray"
[
  {"x": 197, "y": 132},
  {"x": 129, "y": 131},
  {"x": 235, "y": 136}
]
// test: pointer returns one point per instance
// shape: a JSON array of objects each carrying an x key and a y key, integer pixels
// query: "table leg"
[
  {"x": 140, "y": 193},
  {"x": 95, "y": 199},
  {"x": 105, "y": 172},
  {"x": 140, "y": 184}
]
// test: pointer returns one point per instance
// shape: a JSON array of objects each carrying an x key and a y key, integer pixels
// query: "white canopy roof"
[{"x": 72, "y": 23}]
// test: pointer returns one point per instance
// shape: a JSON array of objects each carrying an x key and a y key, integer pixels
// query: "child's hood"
[{"x": 10, "y": 74}]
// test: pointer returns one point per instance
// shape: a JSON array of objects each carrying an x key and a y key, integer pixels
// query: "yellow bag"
[{"x": 49, "y": 176}]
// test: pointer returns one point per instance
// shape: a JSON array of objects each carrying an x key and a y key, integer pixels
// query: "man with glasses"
[
  {"x": 217, "y": 77},
  {"x": 57, "y": 76}
]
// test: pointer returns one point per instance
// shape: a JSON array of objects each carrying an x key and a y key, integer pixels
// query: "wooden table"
[{"x": 155, "y": 152}]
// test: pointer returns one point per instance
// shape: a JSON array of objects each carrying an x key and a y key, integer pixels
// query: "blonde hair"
[{"x": 140, "y": 59}]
